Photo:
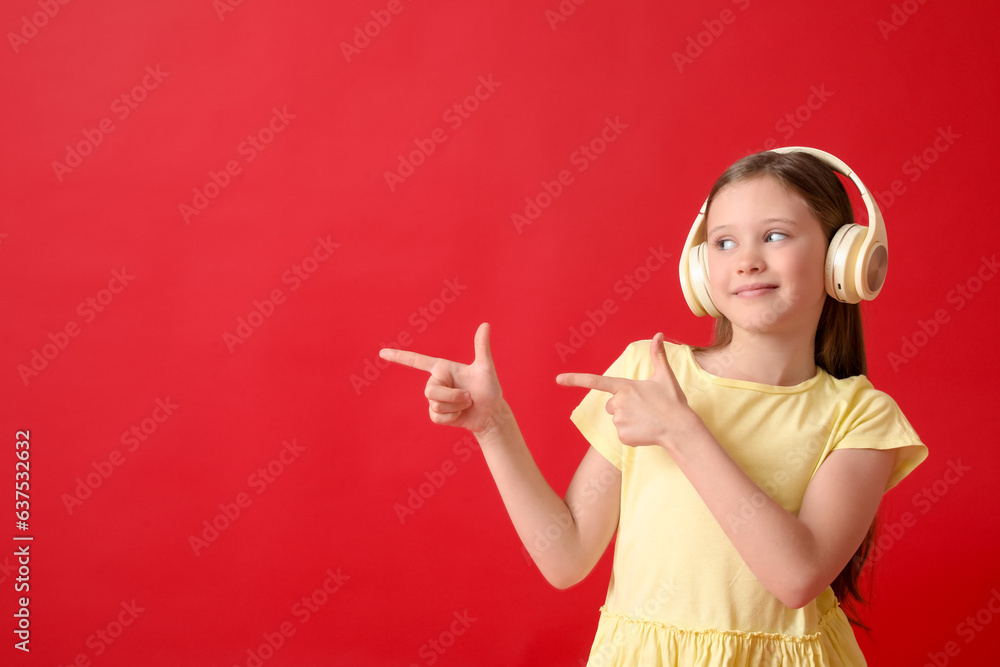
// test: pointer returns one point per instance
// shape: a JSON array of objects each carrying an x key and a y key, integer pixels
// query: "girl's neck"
[{"x": 765, "y": 359}]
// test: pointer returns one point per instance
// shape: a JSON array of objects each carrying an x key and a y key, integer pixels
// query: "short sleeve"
[
  {"x": 594, "y": 421},
  {"x": 874, "y": 421}
]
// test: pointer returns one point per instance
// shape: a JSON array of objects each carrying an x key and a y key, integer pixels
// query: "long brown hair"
[{"x": 840, "y": 345}]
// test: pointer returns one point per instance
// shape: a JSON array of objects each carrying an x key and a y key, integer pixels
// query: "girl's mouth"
[{"x": 756, "y": 289}]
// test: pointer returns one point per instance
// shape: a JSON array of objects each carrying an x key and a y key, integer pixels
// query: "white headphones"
[{"x": 856, "y": 261}]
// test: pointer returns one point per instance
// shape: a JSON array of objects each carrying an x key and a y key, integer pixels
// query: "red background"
[{"x": 886, "y": 94}]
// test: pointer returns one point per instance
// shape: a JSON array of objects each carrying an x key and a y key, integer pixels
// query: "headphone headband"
[{"x": 856, "y": 262}]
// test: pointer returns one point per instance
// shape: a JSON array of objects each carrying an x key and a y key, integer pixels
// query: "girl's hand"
[
  {"x": 645, "y": 412},
  {"x": 467, "y": 396}
]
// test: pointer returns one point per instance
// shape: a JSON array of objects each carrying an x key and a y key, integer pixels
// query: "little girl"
[{"x": 743, "y": 479}]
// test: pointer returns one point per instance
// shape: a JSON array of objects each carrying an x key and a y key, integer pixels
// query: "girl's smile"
[{"x": 756, "y": 289}]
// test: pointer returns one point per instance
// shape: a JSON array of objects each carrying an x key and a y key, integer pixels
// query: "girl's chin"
[
  {"x": 768, "y": 320},
  {"x": 757, "y": 319},
  {"x": 768, "y": 308}
]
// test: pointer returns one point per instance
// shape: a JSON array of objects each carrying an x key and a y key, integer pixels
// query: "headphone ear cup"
[
  {"x": 876, "y": 264},
  {"x": 687, "y": 273},
  {"x": 698, "y": 266},
  {"x": 842, "y": 258}
]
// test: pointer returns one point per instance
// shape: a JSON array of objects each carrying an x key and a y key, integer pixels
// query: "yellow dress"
[{"x": 680, "y": 594}]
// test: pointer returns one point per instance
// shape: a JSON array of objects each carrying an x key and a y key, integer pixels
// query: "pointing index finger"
[
  {"x": 413, "y": 359},
  {"x": 591, "y": 381}
]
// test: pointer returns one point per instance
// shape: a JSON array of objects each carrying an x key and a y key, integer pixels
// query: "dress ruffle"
[{"x": 626, "y": 641}]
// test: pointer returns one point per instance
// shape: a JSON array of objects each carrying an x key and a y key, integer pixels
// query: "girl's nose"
[{"x": 751, "y": 260}]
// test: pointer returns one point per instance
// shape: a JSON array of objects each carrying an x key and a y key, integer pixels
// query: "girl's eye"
[
  {"x": 770, "y": 236},
  {"x": 725, "y": 244}
]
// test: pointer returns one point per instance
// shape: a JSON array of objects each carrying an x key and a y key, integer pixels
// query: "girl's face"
[{"x": 766, "y": 253}]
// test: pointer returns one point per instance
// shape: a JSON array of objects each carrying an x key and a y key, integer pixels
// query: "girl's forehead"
[
  {"x": 757, "y": 186},
  {"x": 757, "y": 200},
  {"x": 762, "y": 190}
]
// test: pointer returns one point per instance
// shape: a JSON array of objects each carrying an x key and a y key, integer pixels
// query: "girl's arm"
[
  {"x": 794, "y": 557},
  {"x": 565, "y": 538}
]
